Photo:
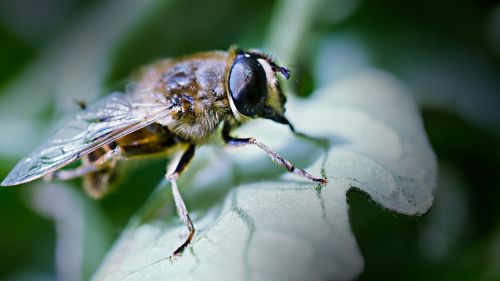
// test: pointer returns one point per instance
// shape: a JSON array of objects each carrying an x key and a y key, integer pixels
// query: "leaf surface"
[{"x": 252, "y": 225}]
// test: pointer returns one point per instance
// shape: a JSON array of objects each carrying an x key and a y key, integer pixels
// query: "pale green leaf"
[{"x": 252, "y": 225}]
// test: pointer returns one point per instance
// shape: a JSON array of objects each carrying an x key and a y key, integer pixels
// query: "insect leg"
[
  {"x": 86, "y": 167},
  {"x": 179, "y": 203},
  {"x": 72, "y": 173},
  {"x": 274, "y": 156}
]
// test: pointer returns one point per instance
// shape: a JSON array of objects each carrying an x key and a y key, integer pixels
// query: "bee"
[{"x": 171, "y": 106}]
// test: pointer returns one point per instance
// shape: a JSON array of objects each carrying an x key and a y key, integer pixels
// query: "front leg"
[
  {"x": 182, "y": 211},
  {"x": 274, "y": 156}
]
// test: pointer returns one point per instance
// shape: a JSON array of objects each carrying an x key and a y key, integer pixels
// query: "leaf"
[{"x": 252, "y": 226}]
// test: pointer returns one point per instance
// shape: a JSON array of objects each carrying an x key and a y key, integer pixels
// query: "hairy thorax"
[{"x": 196, "y": 87}]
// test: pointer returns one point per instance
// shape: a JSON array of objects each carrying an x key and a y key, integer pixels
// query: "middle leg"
[{"x": 182, "y": 211}]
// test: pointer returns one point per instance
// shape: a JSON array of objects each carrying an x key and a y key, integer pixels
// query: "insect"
[{"x": 173, "y": 105}]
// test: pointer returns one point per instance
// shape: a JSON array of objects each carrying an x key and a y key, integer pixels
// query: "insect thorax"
[{"x": 197, "y": 89}]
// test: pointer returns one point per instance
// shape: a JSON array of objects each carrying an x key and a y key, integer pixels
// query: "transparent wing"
[{"x": 106, "y": 120}]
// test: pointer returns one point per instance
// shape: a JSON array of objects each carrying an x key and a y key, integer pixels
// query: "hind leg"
[
  {"x": 71, "y": 173},
  {"x": 97, "y": 170},
  {"x": 99, "y": 183},
  {"x": 89, "y": 165}
]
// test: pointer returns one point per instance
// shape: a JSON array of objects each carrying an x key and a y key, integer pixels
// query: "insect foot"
[{"x": 322, "y": 181}]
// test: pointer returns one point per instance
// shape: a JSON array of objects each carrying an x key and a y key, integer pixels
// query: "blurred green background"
[{"x": 447, "y": 52}]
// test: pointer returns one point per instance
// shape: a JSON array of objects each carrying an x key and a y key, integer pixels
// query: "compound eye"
[{"x": 248, "y": 86}]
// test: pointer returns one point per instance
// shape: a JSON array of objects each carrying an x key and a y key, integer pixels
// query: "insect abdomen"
[{"x": 152, "y": 139}]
